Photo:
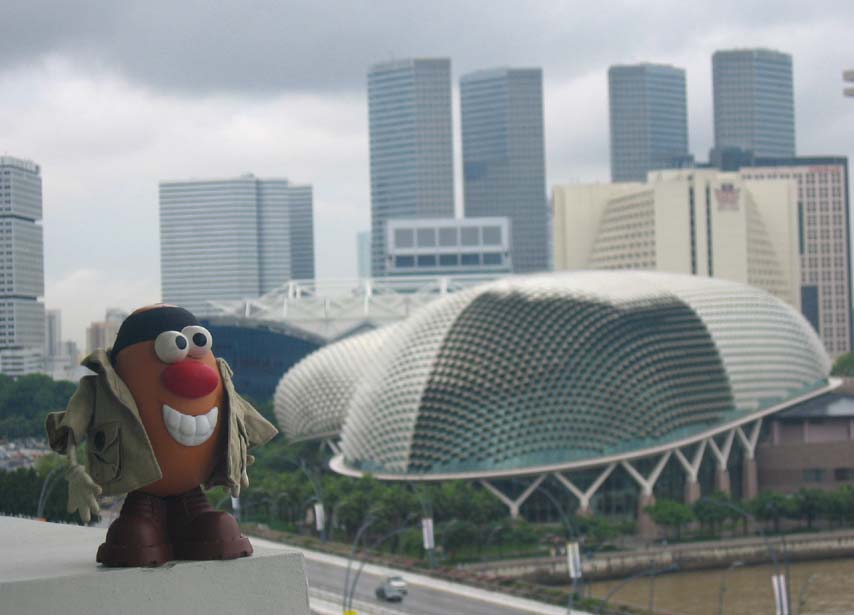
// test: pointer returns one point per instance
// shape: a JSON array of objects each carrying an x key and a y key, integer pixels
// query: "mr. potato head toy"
[{"x": 161, "y": 417}]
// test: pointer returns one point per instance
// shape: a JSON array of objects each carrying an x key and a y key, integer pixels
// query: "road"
[{"x": 426, "y": 596}]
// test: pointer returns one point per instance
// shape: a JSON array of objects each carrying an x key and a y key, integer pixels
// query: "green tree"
[
  {"x": 844, "y": 366},
  {"x": 771, "y": 506},
  {"x": 807, "y": 504},
  {"x": 712, "y": 511},
  {"x": 671, "y": 514}
]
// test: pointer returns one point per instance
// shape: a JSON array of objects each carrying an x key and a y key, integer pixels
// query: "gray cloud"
[{"x": 271, "y": 46}]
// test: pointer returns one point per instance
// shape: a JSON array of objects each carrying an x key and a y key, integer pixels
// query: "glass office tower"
[
  {"x": 411, "y": 145},
  {"x": 754, "y": 102},
  {"x": 504, "y": 158},
  {"x": 649, "y": 120}
]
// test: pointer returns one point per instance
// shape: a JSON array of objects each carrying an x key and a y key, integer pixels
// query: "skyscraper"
[
  {"x": 232, "y": 238},
  {"x": 754, "y": 102},
  {"x": 22, "y": 316},
  {"x": 649, "y": 119},
  {"x": 411, "y": 145},
  {"x": 504, "y": 157}
]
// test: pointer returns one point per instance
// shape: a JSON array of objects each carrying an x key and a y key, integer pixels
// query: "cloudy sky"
[{"x": 111, "y": 97}]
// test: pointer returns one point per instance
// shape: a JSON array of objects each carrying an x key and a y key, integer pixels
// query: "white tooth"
[
  {"x": 189, "y": 430},
  {"x": 203, "y": 428},
  {"x": 188, "y": 426},
  {"x": 173, "y": 419}
]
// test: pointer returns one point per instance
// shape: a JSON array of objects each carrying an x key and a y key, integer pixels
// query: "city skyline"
[{"x": 104, "y": 133}]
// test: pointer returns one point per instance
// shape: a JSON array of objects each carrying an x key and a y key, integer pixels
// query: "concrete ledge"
[{"x": 50, "y": 568}]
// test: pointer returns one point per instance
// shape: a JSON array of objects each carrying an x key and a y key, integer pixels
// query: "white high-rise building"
[
  {"x": 824, "y": 241},
  {"x": 22, "y": 317},
  {"x": 233, "y": 238},
  {"x": 700, "y": 222}
]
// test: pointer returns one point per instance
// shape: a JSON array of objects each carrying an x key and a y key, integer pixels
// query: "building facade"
[
  {"x": 411, "y": 145},
  {"x": 648, "y": 118},
  {"x": 233, "y": 238},
  {"x": 102, "y": 334},
  {"x": 452, "y": 246},
  {"x": 698, "y": 222},
  {"x": 810, "y": 445},
  {"x": 503, "y": 148},
  {"x": 754, "y": 108},
  {"x": 22, "y": 315},
  {"x": 824, "y": 241},
  {"x": 363, "y": 254}
]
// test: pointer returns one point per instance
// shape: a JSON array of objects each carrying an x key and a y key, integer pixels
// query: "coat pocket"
[{"x": 104, "y": 452}]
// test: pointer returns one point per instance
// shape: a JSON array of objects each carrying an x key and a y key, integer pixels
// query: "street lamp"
[
  {"x": 736, "y": 564},
  {"x": 376, "y": 544},
  {"x": 644, "y": 573},
  {"x": 47, "y": 488},
  {"x": 573, "y": 552},
  {"x": 778, "y": 580}
]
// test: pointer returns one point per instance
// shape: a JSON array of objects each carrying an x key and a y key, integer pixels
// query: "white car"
[{"x": 392, "y": 589}]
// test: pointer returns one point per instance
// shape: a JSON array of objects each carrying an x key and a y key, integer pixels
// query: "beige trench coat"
[{"x": 119, "y": 456}]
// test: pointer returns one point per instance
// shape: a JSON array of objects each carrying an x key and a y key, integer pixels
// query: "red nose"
[{"x": 190, "y": 378}]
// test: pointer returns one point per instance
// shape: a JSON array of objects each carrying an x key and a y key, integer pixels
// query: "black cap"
[{"x": 148, "y": 324}]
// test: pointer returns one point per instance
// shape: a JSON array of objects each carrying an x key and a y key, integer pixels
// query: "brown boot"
[
  {"x": 139, "y": 536},
  {"x": 200, "y": 532}
]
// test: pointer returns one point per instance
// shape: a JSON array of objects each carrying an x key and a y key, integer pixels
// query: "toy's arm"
[
  {"x": 82, "y": 491},
  {"x": 64, "y": 431}
]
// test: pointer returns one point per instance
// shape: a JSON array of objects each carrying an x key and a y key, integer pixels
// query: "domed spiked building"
[{"x": 551, "y": 374}]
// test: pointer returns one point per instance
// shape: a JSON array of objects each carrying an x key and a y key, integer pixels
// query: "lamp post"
[
  {"x": 47, "y": 487},
  {"x": 778, "y": 580},
  {"x": 723, "y": 589},
  {"x": 638, "y": 575},
  {"x": 573, "y": 552},
  {"x": 319, "y": 512},
  {"x": 369, "y": 519},
  {"x": 376, "y": 544}
]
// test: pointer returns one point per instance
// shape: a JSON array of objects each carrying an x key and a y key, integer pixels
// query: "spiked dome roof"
[{"x": 566, "y": 369}]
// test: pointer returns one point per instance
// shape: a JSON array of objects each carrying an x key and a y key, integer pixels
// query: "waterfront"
[{"x": 820, "y": 588}]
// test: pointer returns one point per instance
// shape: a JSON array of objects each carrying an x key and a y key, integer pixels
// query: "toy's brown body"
[{"x": 183, "y": 467}]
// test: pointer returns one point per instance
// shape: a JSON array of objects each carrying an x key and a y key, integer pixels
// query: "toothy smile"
[{"x": 190, "y": 430}]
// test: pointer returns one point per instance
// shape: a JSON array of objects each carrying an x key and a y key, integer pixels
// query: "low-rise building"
[{"x": 448, "y": 246}]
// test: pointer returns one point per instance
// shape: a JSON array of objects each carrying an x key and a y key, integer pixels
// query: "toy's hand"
[{"x": 82, "y": 493}]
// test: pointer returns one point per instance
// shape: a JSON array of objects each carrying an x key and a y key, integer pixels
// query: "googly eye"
[
  {"x": 200, "y": 339},
  {"x": 171, "y": 346}
]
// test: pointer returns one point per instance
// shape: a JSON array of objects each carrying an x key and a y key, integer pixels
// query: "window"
[
  {"x": 843, "y": 474},
  {"x": 426, "y": 260},
  {"x": 469, "y": 236},
  {"x": 404, "y": 261},
  {"x": 492, "y": 235},
  {"x": 426, "y": 237},
  {"x": 448, "y": 236},
  {"x": 448, "y": 260},
  {"x": 492, "y": 258},
  {"x": 470, "y": 259},
  {"x": 813, "y": 475},
  {"x": 403, "y": 238}
]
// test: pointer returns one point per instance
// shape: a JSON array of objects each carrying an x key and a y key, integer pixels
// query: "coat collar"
[{"x": 99, "y": 362}]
